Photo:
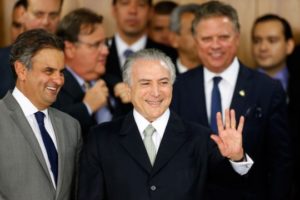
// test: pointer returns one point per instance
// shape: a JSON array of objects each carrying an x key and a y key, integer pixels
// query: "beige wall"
[{"x": 248, "y": 10}]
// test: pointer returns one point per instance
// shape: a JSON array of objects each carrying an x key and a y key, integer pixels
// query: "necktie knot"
[
  {"x": 149, "y": 130},
  {"x": 127, "y": 53},
  {"x": 39, "y": 117},
  {"x": 217, "y": 80}
]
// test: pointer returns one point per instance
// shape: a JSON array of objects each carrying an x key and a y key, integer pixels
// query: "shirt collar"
[
  {"x": 229, "y": 75},
  {"x": 122, "y": 45},
  {"x": 27, "y": 107},
  {"x": 181, "y": 68},
  {"x": 282, "y": 76},
  {"x": 159, "y": 124}
]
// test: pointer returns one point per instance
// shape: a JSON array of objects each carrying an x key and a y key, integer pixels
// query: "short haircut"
[
  {"x": 287, "y": 30},
  {"x": 175, "y": 20},
  {"x": 147, "y": 54},
  {"x": 148, "y": 1},
  {"x": 216, "y": 9},
  {"x": 79, "y": 21},
  {"x": 164, "y": 7},
  {"x": 29, "y": 43},
  {"x": 26, "y": 4}
]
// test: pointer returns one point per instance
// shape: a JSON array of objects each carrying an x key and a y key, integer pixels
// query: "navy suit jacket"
[
  {"x": 7, "y": 81},
  {"x": 115, "y": 165},
  {"x": 265, "y": 134}
]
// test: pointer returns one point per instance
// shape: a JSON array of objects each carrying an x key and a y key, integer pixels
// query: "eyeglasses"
[{"x": 96, "y": 45}]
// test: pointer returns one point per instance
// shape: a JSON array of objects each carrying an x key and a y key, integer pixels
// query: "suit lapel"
[
  {"x": 242, "y": 92},
  {"x": 131, "y": 140},
  {"x": 199, "y": 80},
  {"x": 58, "y": 128},
  {"x": 172, "y": 140},
  {"x": 21, "y": 122},
  {"x": 72, "y": 88}
]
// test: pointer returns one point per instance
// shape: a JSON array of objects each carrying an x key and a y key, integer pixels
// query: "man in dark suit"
[
  {"x": 131, "y": 18},
  {"x": 272, "y": 43},
  {"x": 85, "y": 95},
  {"x": 39, "y": 145},
  {"x": 114, "y": 163},
  {"x": 38, "y": 14},
  {"x": 259, "y": 98}
]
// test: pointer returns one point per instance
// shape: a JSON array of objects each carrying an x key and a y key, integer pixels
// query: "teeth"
[{"x": 51, "y": 88}]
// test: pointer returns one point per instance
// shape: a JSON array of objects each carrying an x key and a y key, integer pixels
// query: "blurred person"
[
  {"x": 272, "y": 43},
  {"x": 151, "y": 153},
  {"x": 40, "y": 145},
  {"x": 131, "y": 17},
  {"x": 17, "y": 25},
  {"x": 225, "y": 83},
  {"x": 159, "y": 24},
  {"x": 85, "y": 95},
  {"x": 182, "y": 38},
  {"x": 42, "y": 14}
]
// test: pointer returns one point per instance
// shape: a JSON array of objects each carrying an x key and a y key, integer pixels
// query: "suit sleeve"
[{"x": 91, "y": 178}]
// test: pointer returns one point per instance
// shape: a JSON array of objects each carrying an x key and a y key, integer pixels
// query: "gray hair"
[
  {"x": 175, "y": 19},
  {"x": 29, "y": 43},
  {"x": 216, "y": 9},
  {"x": 148, "y": 54}
]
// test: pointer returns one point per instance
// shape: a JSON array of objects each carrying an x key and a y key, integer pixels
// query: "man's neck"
[
  {"x": 188, "y": 63},
  {"x": 130, "y": 39}
]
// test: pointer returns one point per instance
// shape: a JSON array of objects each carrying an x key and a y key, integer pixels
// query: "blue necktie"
[
  {"x": 216, "y": 105},
  {"x": 49, "y": 145},
  {"x": 127, "y": 53}
]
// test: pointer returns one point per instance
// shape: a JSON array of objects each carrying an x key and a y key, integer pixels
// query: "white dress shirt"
[
  {"x": 160, "y": 125},
  {"x": 181, "y": 68},
  {"x": 121, "y": 46},
  {"x": 226, "y": 86},
  {"x": 29, "y": 109}
]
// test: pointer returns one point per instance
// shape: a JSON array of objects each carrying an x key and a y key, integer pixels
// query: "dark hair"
[
  {"x": 29, "y": 43},
  {"x": 175, "y": 19},
  {"x": 148, "y": 1},
  {"x": 287, "y": 30},
  {"x": 20, "y": 3},
  {"x": 26, "y": 4},
  {"x": 75, "y": 22},
  {"x": 216, "y": 9},
  {"x": 164, "y": 7}
]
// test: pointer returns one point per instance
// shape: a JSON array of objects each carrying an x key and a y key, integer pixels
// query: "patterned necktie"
[
  {"x": 148, "y": 142},
  {"x": 216, "y": 105},
  {"x": 127, "y": 53},
  {"x": 49, "y": 145}
]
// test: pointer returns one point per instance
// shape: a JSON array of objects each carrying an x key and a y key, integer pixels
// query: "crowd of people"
[{"x": 163, "y": 109}]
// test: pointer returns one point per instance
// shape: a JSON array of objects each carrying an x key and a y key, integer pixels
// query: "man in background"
[
  {"x": 182, "y": 39},
  {"x": 17, "y": 24},
  {"x": 38, "y": 14},
  {"x": 272, "y": 43},
  {"x": 159, "y": 25},
  {"x": 85, "y": 95}
]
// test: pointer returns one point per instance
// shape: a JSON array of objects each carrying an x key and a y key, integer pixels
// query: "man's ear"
[
  {"x": 290, "y": 46},
  {"x": 21, "y": 70},
  {"x": 69, "y": 49}
]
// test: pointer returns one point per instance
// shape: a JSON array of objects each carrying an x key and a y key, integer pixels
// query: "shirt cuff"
[
  {"x": 88, "y": 108},
  {"x": 242, "y": 167}
]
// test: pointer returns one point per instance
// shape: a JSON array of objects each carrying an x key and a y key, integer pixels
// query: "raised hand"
[{"x": 229, "y": 139}]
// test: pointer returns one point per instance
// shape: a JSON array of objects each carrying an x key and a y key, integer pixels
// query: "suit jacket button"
[{"x": 153, "y": 187}]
